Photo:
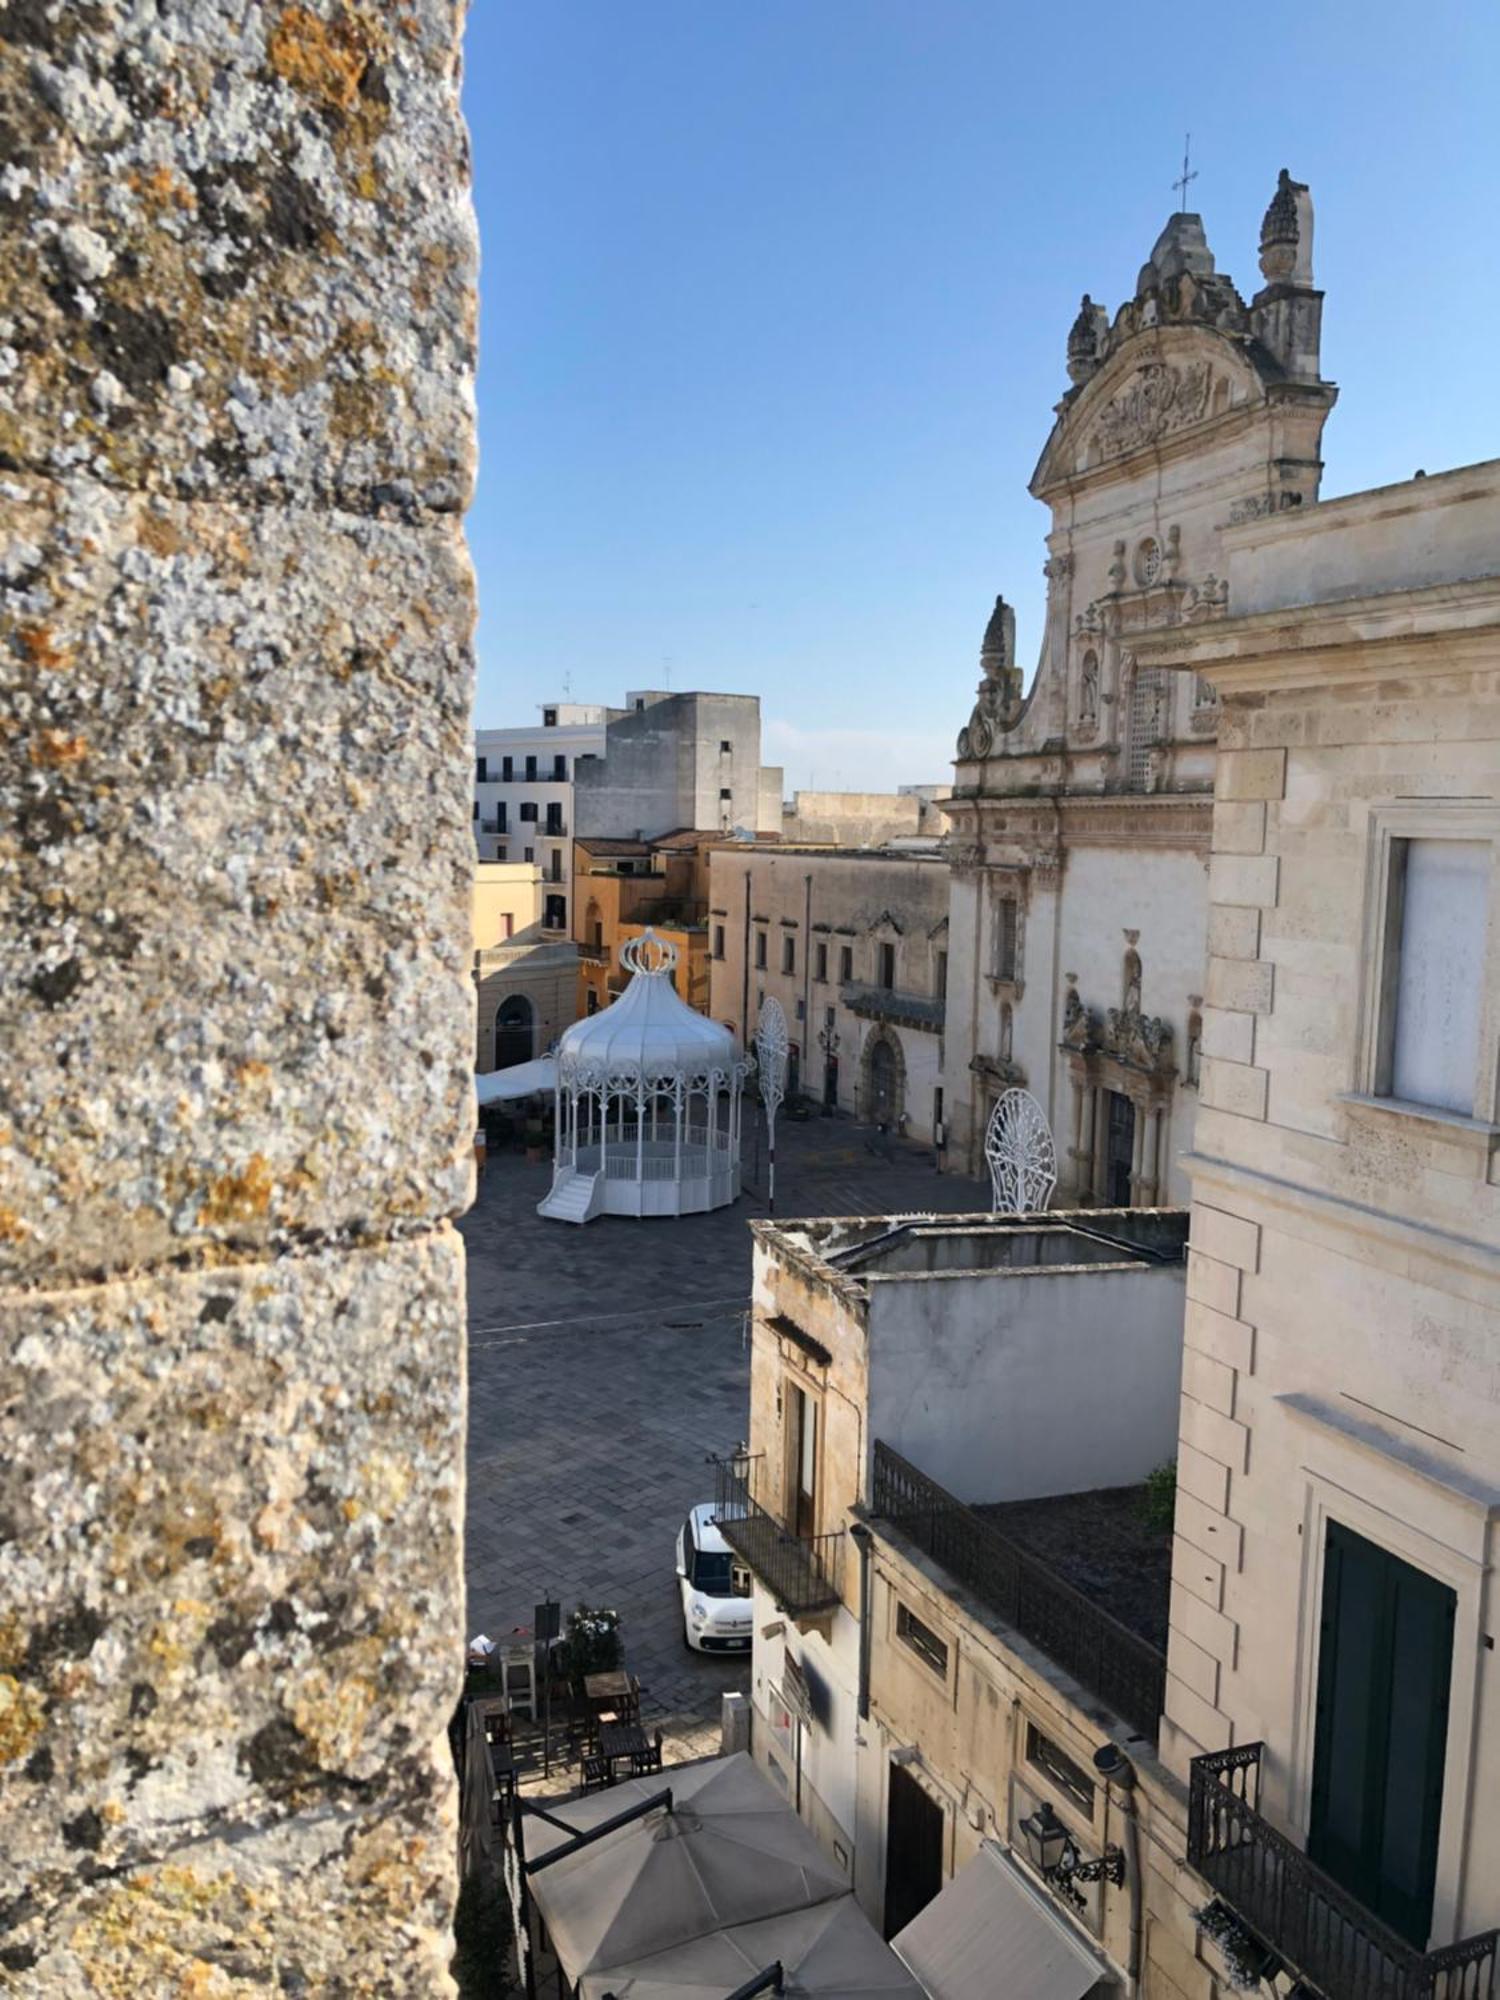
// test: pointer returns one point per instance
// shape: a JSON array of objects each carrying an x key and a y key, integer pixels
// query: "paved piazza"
[{"x": 606, "y": 1364}]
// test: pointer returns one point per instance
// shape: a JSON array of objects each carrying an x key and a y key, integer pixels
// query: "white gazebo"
[{"x": 648, "y": 1102}]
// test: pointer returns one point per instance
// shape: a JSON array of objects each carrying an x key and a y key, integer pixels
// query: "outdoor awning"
[
  {"x": 830, "y": 1952},
  {"x": 992, "y": 1934},
  {"x": 520, "y": 1080},
  {"x": 731, "y": 1851}
]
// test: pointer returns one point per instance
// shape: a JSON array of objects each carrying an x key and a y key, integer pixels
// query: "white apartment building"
[{"x": 523, "y": 796}]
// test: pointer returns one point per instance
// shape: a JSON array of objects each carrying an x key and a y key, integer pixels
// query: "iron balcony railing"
[
  {"x": 1322, "y": 1933},
  {"x": 802, "y": 1572},
  {"x": 1113, "y": 1662}
]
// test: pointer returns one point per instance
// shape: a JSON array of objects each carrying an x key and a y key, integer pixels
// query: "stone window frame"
[
  {"x": 1389, "y": 1490},
  {"x": 1385, "y": 824}
]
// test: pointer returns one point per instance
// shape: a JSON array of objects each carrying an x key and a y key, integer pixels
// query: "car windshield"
[{"x": 713, "y": 1574}]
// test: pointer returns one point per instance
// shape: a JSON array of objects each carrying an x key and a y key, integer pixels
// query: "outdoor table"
[
  {"x": 621, "y": 1739},
  {"x": 611, "y": 1690}
]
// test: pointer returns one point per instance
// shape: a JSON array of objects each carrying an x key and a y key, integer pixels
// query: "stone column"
[
  {"x": 237, "y": 1013},
  {"x": 1137, "y": 1152},
  {"x": 1101, "y": 1142},
  {"x": 1075, "y": 1151},
  {"x": 1149, "y": 1156}
]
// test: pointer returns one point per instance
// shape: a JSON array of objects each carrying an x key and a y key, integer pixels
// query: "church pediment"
[{"x": 1174, "y": 380}]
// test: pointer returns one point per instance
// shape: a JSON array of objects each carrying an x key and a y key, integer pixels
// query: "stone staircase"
[{"x": 573, "y": 1198}]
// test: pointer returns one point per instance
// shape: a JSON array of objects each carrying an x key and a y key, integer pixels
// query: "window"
[
  {"x": 1005, "y": 939},
  {"x": 820, "y": 964},
  {"x": 560, "y": 769},
  {"x": 640, "y": 703},
  {"x": 789, "y": 954},
  {"x": 481, "y": 770},
  {"x": 725, "y": 792},
  {"x": 942, "y": 975},
  {"x": 531, "y": 767},
  {"x": 554, "y": 819},
  {"x": 1433, "y": 973},
  {"x": 500, "y": 826},
  {"x": 725, "y": 747},
  {"x": 507, "y": 926},
  {"x": 829, "y": 1017},
  {"x": 556, "y": 913},
  {"x": 592, "y": 1002},
  {"x": 529, "y": 854},
  {"x": 499, "y": 853},
  {"x": 507, "y": 769},
  {"x": 718, "y": 940},
  {"x": 888, "y": 966},
  {"x": 557, "y": 873},
  {"x": 801, "y": 1484},
  {"x": 924, "y": 1642},
  {"x": 528, "y": 809},
  {"x": 549, "y": 718},
  {"x": 846, "y": 961},
  {"x": 760, "y": 951},
  {"x": 1058, "y": 1768}
]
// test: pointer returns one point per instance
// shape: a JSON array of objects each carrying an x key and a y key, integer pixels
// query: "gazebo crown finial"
[{"x": 649, "y": 954}]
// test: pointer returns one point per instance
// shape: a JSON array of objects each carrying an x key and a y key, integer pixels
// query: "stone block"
[
  {"x": 232, "y": 1631},
  {"x": 239, "y": 252},
  {"x": 1233, "y": 1239},
  {"x": 1208, "y": 1381},
  {"x": 1215, "y": 1533},
  {"x": 1250, "y": 774},
  {"x": 1201, "y": 1720},
  {"x": 1202, "y": 1475},
  {"x": 1241, "y": 985},
  {"x": 1228, "y": 1035},
  {"x": 1213, "y": 1630},
  {"x": 1231, "y": 1341},
  {"x": 235, "y": 783},
  {"x": 1239, "y": 827},
  {"x": 1212, "y": 1432},
  {"x": 1246, "y": 880},
  {"x": 1190, "y": 1663},
  {"x": 1235, "y": 1087},
  {"x": 1194, "y": 1570},
  {"x": 1233, "y": 932},
  {"x": 1212, "y": 1283}
]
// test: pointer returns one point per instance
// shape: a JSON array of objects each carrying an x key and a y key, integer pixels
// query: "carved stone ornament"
[
  {"x": 998, "y": 708},
  {"x": 1161, "y": 396},
  {"x": 1140, "y": 1041},
  {"x": 1057, "y": 569},
  {"x": 1076, "y": 1027},
  {"x": 1209, "y": 599}
]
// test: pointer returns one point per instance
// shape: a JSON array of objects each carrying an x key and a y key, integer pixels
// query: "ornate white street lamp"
[
  {"x": 770, "y": 1056},
  {"x": 1022, "y": 1158}
]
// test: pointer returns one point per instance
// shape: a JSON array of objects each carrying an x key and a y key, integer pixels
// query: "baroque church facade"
[{"x": 1081, "y": 811}]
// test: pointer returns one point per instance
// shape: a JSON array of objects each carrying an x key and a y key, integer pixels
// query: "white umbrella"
[
  {"x": 729, "y": 1851},
  {"x": 527, "y": 1079},
  {"x": 830, "y": 1952},
  {"x": 475, "y": 1827}
]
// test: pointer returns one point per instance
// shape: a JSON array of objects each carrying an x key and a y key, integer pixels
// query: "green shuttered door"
[{"x": 1384, "y": 1666}]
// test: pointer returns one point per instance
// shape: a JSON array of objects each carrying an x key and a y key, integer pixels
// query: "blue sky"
[{"x": 775, "y": 295}]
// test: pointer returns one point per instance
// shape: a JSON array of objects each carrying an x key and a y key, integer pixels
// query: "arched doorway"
[
  {"x": 514, "y": 1033},
  {"x": 885, "y": 1081}
]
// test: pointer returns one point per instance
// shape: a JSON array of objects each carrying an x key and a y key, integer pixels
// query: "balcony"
[
  {"x": 1119, "y": 1666},
  {"x": 887, "y": 1003},
  {"x": 1302, "y": 1916},
  {"x": 596, "y": 954},
  {"x": 801, "y": 1571}
]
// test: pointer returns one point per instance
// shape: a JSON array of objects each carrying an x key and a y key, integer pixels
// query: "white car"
[{"x": 715, "y": 1586}]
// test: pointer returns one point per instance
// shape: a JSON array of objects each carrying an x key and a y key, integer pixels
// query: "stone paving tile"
[{"x": 606, "y": 1364}]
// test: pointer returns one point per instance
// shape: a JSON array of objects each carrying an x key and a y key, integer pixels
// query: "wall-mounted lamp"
[{"x": 1054, "y": 1854}]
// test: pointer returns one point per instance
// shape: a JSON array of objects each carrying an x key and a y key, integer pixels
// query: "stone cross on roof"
[{"x": 1181, "y": 183}]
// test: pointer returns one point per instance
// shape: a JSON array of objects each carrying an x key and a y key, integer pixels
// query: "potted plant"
[{"x": 592, "y": 1645}]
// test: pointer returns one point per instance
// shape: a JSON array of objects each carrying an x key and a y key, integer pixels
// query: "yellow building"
[
  {"x": 525, "y": 975},
  {"x": 620, "y": 887}
]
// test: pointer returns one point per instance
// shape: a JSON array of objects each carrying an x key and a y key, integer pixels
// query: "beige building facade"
[
  {"x": 1340, "y": 1455},
  {"x": 853, "y": 943},
  {"x": 525, "y": 976},
  {"x": 1080, "y": 812}
]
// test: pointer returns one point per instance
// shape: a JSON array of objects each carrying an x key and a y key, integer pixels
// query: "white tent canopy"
[
  {"x": 730, "y": 1851},
  {"x": 527, "y": 1079},
  {"x": 830, "y": 1952},
  {"x": 991, "y": 1934}
]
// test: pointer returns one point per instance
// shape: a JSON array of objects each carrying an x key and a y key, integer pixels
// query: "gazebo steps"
[{"x": 574, "y": 1197}]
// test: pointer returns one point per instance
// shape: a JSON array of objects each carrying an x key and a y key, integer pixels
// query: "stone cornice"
[{"x": 1434, "y": 631}]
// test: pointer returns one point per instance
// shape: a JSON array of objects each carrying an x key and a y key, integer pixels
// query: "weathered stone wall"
[{"x": 236, "y": 347}]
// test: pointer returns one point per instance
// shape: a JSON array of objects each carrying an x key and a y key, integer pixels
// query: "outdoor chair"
[
  {"x": 596, "y": 1774},
  {"x": 644, "y": 1761}
]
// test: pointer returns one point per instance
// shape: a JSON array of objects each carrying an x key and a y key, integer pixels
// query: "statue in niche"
[
  {"x": 1132, "y": 1001},
  {"x": 1194, "y": 1043},
  {"x": 1088, "y": 692}
]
